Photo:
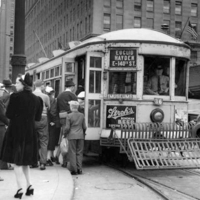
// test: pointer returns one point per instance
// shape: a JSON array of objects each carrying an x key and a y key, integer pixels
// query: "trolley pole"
[{"x": 18, "y": 60}]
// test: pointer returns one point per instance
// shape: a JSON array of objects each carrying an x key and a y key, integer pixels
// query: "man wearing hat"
[
  {"x": 42, "y": 125},
  {"x": 7, "y": 89},
  {"x": 63, "y": 106},
  {"x": 159, "y": 83}
]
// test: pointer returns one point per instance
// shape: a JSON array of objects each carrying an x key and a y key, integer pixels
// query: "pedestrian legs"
[
  {"x": 3, "y": 165},
  {"x": 76, "y": 154},
  {"x": 26, "y": 171},
  {"x": 18, "y": 175},
  {"x": 72, "y": 155},
  {"x": 42, "y": 130},
  {"x": 79, "y": 153}
]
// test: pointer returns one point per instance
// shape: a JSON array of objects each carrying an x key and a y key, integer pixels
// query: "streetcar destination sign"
[{"x": 123, "y": 57}]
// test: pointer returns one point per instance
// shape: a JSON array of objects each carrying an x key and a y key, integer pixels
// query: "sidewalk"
[{"x": 54, "y": 183}]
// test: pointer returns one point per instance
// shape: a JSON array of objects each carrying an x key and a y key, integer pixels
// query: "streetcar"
[{"x": 115, "y": 70}]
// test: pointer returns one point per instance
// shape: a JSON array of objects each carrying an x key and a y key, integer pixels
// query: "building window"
[
  {"x": 178, "y": 28},
  {"x": 150, "y": 23},
  {"x": 86, "y": 24},
  {"x": 119, "y": 24},
  {"x": 137, "y": 22},
  {"x": 119, "y": 4},
  {"x": 107, "y": 3},
  {"x": 138, "y": 5},
  {"x": 194, "y": 56},
  {"x": 166, "y": 23},
  {"x": 150, "y": 5},
  {"x": 194, "y": 10},
  {"x": 178, "y": 8},
  {"x": 166, "y": 7},
  {"x": 106, "y": 23},
  {"x": 194, "y": 26}
]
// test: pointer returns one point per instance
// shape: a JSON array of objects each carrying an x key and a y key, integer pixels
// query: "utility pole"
[{"x": 18, "y": 60}]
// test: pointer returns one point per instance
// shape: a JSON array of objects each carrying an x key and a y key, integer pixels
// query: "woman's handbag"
[{"x": 64, "y": 145}]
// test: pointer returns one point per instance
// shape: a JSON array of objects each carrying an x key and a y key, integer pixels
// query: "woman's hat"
[
  {"x": 26, "y": 80},
  {"x": 69, "y": 83}
]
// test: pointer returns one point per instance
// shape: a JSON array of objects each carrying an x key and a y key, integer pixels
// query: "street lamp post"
[{"x": 18, "y": 60}]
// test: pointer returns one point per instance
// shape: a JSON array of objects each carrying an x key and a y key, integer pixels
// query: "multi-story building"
[
  {"x": 52, "y": 24},
  {"x": 7, "y": 11}
]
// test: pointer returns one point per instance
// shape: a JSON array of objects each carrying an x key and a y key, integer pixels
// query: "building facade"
[
  {"x": 7, "y": 11},
  {"x": 52, "y": 24}
]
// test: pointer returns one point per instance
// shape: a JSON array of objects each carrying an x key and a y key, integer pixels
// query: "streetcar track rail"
[
  {"x": 192, "y": 172},
  {"x": 156, "y": 186}
]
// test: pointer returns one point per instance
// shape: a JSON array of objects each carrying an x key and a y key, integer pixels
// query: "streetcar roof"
[{"x": 137, "y": 35}]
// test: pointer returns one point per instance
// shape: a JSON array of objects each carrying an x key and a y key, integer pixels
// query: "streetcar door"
[
  {"x": 68, "y": 71},
  {"x": 93, "y": 95}
]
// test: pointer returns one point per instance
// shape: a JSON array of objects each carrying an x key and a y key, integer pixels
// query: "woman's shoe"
[
  {"x": 49, "y": 163},
  {"x": 79, "y": 171},
  {"x": 29, "y": 191},
  {"x": 56, "y": 160},
  {"x": 19, "y": 194},
  {"x": 73, "y": 173},
  {"x": 53, "y": 159}
]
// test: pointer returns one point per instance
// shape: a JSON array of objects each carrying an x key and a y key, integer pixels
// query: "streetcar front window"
[
  {"x": 156, "y": 75},
  {"x": 180, "y": 77},
  {"x": 122, "y": 82}
]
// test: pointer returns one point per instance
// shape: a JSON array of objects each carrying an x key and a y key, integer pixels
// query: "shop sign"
[
  {"x": 115, "y": 115},
  {"x": 123, "y": 57}
]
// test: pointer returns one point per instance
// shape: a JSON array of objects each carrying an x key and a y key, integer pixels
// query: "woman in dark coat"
[{"x": 20, "y": 144}]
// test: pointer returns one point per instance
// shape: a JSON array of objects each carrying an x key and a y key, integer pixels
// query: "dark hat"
[
  {"x": 7, "y": 83},
  {"x": 69, "y": 83},
  {"x": 39, "y": 83},
  {"x": 26, "y": 79},
  {"x": 159, "y": 67}
]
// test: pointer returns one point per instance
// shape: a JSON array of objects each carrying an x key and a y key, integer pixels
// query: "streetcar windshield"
[
  {"x": 156, "y": 75},
  {"x": 122, "y": 82}
]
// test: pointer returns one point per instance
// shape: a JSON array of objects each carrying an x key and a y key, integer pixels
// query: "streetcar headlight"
[{"x": 157, "y": 115}]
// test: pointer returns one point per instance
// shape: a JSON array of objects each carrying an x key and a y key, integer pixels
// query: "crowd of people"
[{"x": 32, "y": 125}]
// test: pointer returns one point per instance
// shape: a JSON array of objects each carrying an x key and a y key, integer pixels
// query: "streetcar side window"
[
  {"x": 94, "y": 107},
  {"x": 156, "y": 75},
  {"x": 180, "y": 77},
  {"x": 122, "y": 82},
  {"x": 95, "y": 75},
  {"x": 95, "y": 82}
]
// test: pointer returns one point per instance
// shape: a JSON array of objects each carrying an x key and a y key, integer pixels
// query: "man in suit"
[
  {"x": 3, "y": 124},
  {"x": 42, "y": 125},
  {"x": 63, "y": 107},
  {"x": 75, "y": 132},
  {"x": 7, "y": 89}
]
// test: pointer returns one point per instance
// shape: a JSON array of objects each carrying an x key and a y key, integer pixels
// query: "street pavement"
[
  {"x": 99, "y": 182},
  {"x": 54, "y": 183}
]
